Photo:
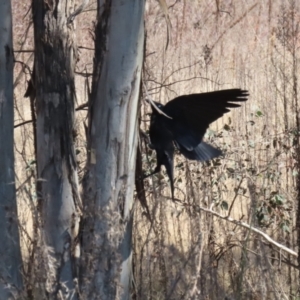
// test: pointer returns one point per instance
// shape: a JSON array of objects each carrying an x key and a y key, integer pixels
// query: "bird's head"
[
  {"x": 159, "y": 105},
  {"x": 158, "y": 109}
]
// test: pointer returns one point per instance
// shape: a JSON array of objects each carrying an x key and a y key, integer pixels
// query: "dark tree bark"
[
  {"x": 112, "y": 143},
  {"x": 57, "y": 170},
  {"x": 10, "y": 254}
]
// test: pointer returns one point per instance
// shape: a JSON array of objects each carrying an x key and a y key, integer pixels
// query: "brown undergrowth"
[{"x": 184, "y": 252}]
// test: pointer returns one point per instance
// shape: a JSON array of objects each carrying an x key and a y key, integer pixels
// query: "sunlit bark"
[{"x": 109, "y": 181}]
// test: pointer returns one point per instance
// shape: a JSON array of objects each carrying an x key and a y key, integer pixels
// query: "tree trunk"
[
  {"x": 57, "y": 170},
  {"x": 112, "y": 142},
  {"x": 10, "y": 255}
]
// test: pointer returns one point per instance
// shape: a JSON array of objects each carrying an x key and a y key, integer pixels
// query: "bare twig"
[
  {"x": 23, "y": 123},
  {"x": 78, "y": 11},
  {"x": 86, "y": 48},
  {"x": 153, "y": 104},
  {"x": 234, "y": 23},
  {"x": 24, "y": 51},
  {"x": 251, "y": 228},
  {"x": 82, "y": 106},
  {"x": 235, "y": 196}
]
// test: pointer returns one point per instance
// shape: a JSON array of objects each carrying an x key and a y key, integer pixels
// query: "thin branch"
[
  {"x": 82, "y": 106},
  {"x": 234, "y": 23},
  {"x": 251, "y": 228},
  {"x": 23, "y": 51},
  {"x": 165, "y": 85},
  {"x": 79, "y": 10},
  {"x": 25, "y": 66},
  {"x": 235, "y": 196},
  {"x": 23, "y": 123},
  {"x": 86, "y": 48},
  {"x": 153, "y": 104},
  {"x": 84, "y": 74}
]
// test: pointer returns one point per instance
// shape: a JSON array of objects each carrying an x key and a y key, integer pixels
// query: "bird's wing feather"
[
  {"x": 193, "y": 113},
  {"x": 205, "y": 107},
  {"x": 202, "y": 152}
]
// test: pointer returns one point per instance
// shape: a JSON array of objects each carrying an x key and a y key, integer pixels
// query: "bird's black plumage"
[{"x": 190, "y": 116}]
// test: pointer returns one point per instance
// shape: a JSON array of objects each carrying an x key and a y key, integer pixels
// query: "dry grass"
[
  {"x": 186, "y": 253},
  {"x": 190, "y": 254}
]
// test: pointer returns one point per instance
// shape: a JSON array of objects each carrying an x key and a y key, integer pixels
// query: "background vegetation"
[{"x": 199, "y": 247}]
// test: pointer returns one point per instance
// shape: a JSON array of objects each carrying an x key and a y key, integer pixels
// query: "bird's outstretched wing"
[{"x": 192, "y": 114}]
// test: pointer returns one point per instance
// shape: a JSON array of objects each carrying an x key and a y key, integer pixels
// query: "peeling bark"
[
  {"x": 56, "y": 161},
  {"x": 113, "y": 122}
]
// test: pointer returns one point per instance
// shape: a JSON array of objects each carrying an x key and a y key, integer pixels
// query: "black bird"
[{"x": 188, "y": 119}]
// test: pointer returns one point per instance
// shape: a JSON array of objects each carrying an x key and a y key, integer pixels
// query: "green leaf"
[
  {"x": 279, "y": 199},
  {"x": 32, "y": 162},
  {"x": 259, "y": 113},
  {"x": 285, "y": 227},
  {"x": 224, "y": 205},
  {"x": 226, "y": 127}
]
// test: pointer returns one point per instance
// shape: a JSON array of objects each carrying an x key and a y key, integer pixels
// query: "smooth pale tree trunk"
[
  {"x": 10, "y": 254},
  {"x": 109, "y": 180},
  {"x": 57, "y": 170}
]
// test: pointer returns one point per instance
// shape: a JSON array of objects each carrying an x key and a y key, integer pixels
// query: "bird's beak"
[{"x": 154, "y": 106}]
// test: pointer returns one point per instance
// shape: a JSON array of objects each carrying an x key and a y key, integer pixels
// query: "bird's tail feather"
[
  {"x": 169, "y": 156},
  {"x": 202, "y": 152}
]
